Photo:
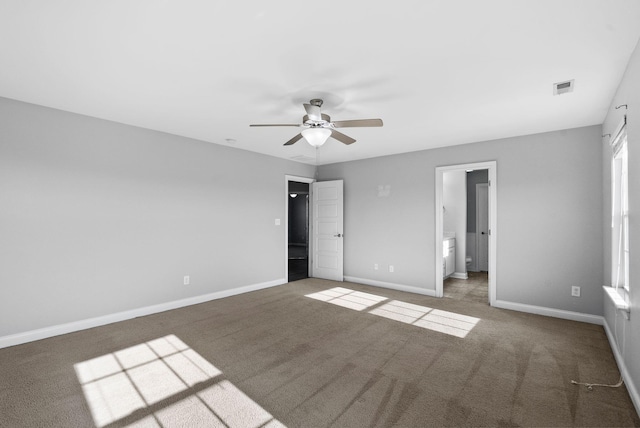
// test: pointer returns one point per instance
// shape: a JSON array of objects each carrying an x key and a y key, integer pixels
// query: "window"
[{"x": 620, "y": 211}]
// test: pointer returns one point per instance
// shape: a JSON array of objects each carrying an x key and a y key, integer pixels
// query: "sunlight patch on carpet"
[
  {"x": 182, "y": 386},
  {"x": 347, "y": 298},
  {"x": 433, "y": 319},
  {"x": 420, "y": 316}
]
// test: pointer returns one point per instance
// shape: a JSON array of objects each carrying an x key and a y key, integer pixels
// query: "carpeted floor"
[
  {"x": 474, "y": 289},
  {"x": 317, "y": 353}
]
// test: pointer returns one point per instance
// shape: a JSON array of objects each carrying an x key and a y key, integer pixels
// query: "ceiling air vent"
[
  {"x": 303, "y": 158},
  {"x": 563, "y": 87}
]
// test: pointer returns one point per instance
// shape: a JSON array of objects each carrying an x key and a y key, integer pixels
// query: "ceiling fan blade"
[
  {"x": 357, "y": 123},
  {"x": 277, "y": 124},
  {"x": 341, "y": 137},
  {"x": 293, "y": 140},
  {"x": 313, "y": 112}
]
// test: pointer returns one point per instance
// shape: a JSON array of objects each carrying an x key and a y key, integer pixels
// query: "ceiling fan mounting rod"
[{"x": 316, "y": 102}]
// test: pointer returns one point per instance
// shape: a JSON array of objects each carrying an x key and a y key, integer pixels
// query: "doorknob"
[
  {"x": 339, "y": 235},
  {"x": 483, "y": 233}
]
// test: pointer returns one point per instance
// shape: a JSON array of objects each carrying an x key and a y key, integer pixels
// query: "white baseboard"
[
  {"x": 460, "y": 275},
  {"x": 399, "y": 287},
  {"x": 56, "y": 330},
  {"x": 628, "y": 380},
  {"x": 549, "y": 312}
]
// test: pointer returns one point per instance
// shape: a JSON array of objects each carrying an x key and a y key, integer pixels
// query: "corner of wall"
[{"x": 624, "y": 372}]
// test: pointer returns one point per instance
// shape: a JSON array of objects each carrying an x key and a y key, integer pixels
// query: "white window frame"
[{"x": 620, "y": 209}]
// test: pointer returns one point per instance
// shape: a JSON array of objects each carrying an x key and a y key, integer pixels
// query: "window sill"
[{"x": 617, "y": 299}]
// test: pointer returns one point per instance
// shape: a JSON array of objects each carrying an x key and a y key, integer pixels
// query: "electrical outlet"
[
  {"x": 391, "y": 268},
  {"x": 375, "y": 266},
  {"x": 187, "y": 280},
  {"x": 575, "y": 291}
]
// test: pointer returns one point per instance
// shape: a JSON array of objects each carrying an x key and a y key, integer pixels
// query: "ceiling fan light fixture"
[
  {"x": 319, "y": 127},
  {"x": 316, "y": 136}
]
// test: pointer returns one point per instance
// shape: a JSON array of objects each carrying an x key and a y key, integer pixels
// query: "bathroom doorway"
[
  {"x": 465, "y": 199},
  {"x": 458, "y": 234}
]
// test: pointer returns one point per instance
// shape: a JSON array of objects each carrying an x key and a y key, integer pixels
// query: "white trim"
[
  {"x": 615, "y": 135},
  {"x": 439, "y": 291},
  {"x": 459, "y": 275},
  {"x": 624, "y": 372},
  {"x": 287, "y": 179},
  {"x": 493, "y": 224},
  {"x": 549, "y": 312},
  {"x": 392, "y": 286},
  {"x": 56, "y": 330},
  {"x": 617, "y": 300}
]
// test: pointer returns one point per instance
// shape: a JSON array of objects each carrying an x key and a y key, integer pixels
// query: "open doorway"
[
  {"x": 297, "y": 249},
  {"x": 467, "y": 193},
  {"x": 298, "y": 231},
  {"x": 466, "y": 231}
]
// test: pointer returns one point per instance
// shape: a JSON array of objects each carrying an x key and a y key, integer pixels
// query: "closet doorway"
[{"x": 297, "y": 254}]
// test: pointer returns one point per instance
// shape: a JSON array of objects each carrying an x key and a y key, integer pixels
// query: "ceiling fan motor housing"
[{"x": 326, "y": 120}]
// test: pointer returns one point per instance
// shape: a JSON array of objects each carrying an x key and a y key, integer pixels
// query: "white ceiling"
[{"x": 437, "y": 72}]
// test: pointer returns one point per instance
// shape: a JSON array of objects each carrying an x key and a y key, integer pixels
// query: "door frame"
[
  {"x": 287, "y": 179},
  {"x": 493, "y": 223}
]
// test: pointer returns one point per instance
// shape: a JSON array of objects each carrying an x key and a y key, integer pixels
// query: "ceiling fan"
[{"x": 319, "y": 126}]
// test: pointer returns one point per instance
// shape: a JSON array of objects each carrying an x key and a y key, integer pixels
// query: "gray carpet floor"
[
  {"x": 474, "y": 289},
  {"x": 317, "y": 353}
]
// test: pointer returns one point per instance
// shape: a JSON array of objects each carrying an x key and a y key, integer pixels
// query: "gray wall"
[
  {"x": 549, "y": 216},
  {"x": 98, "y": 217},
  {"x": 628, "y": 332}
]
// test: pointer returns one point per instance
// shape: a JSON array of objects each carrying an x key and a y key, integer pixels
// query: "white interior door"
[
  {"x": 327, "y": 230},
  {"x": 482, "y": 226}
]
